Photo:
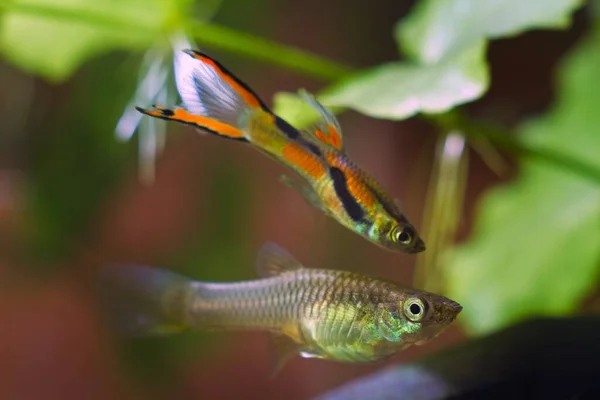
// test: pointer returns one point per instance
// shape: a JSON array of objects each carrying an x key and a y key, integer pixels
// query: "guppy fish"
[
  {"x": 218, "y": 102},
  {"x": 328, "y": 314}
]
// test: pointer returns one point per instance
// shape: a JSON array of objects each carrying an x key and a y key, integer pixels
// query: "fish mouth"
[
  {"x": 418, "y": 247},
  {"x": 453, "y": 308}
]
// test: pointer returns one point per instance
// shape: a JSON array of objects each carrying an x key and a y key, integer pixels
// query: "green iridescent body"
[{"x": 328, "y": 314}]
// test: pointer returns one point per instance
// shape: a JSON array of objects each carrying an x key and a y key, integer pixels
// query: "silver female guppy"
[{"x": 329, "y": 314}]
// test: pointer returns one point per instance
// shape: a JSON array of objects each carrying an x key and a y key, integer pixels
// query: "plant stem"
[
  {"x": 456, "y": 120},
  {"x": 264, "y": 50}
]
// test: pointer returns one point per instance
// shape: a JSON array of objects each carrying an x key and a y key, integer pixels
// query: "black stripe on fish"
[
  {"x": 286, "y": 128},
  {"x": 353, "y": 209},
  {"x": 294, "y": 134}
]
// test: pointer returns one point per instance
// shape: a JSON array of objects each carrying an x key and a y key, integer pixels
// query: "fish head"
[
  {"x": 397, "y": 234},
  {"x": 413, "y": 317}
]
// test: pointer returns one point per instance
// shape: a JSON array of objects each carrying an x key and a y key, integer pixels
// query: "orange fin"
[
  {"x": 327, "y": 130},
  {"x": 185, "y": 117}
]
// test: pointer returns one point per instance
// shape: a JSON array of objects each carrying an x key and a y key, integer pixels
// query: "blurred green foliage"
[
  {"x": 535, "y": 246},
  {"x": 75, "y": 150},
  {"x": 534, "y": 249},
  {"x": 444, "y": 66},
  {"x": 53, "y": 39},
  {"x": 430, "y": 34},
  {"x": 401, "y": 89}
]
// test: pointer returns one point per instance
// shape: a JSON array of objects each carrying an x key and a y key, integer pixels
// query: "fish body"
[
  {"x": 218, "y": 102},
  {"x": 328, "y": 314}
]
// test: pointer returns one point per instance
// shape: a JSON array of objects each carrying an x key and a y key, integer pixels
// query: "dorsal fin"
[
  {"x": 274, "y": 260},
  {"x": 327, "y": 129}
]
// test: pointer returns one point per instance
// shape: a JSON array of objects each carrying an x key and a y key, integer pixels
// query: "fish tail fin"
[
  {"x": 183, "y": 116},
  {"x": 138, "y": 300},
  {"x": 213, "y": 98}
]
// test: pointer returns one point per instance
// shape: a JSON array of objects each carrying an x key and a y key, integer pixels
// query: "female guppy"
[
  {"x": 329, "y": 314},
  {"x": 218, "y": 102}
]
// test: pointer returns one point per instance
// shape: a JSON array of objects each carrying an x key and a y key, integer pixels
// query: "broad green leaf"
[
  {"x": 446, "y": 40},
  {"x": 535, "y": 249},
  {"x": 400, "y": 90},
  {"x": 53, "y": 38},
  {"x": 438, "y": 29}
]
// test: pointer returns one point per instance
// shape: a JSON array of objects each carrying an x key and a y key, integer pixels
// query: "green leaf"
[
  {"x": 400, "y": 90},
  {"x": 447, "y": 65},
  {"x": 438, "y": 29},
  {"x": 536, "y": 247},
  {"x": 294, "y": 109},
  {"x": 53, "y": 39}
]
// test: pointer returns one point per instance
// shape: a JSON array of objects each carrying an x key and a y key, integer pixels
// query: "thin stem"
[
  {"x": 264, "y": 50},
  {"x": 472, "y": 129}
]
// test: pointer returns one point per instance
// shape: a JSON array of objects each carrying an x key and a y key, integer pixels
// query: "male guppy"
[
  {"x": 218, "y": 102},
  {"x": 329, "y": 314}
]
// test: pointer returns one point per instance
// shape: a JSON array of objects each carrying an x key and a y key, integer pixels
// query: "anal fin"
[
  {"x": 282, "y": 348},
  {"x": 305, "y": 191}
]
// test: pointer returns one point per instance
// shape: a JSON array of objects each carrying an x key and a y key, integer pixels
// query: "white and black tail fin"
[
  {"x": 208, "y": 88},
  {"x": 139, "y": 300},
  {"x": 214, "y": 99}
]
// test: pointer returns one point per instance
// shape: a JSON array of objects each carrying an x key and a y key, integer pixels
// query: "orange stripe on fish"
[
  {"x": 298, "y": 156},
  {"x": 245, "y": 93},
  {"x": 183, "y": 116},
  {"x": 356, "y": 187}
]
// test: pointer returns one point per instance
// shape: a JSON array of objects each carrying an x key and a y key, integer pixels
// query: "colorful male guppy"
[
  {"x": 328, "y": 314},
  {"x": 217, "y": 102}
]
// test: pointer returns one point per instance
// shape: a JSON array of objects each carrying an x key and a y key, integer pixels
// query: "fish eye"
[
  {"x": 414, "y": 309},
  {"x": 404, "y": 236}
]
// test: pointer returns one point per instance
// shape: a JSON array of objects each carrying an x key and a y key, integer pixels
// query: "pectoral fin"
[{"x": 305, "y": 191}]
